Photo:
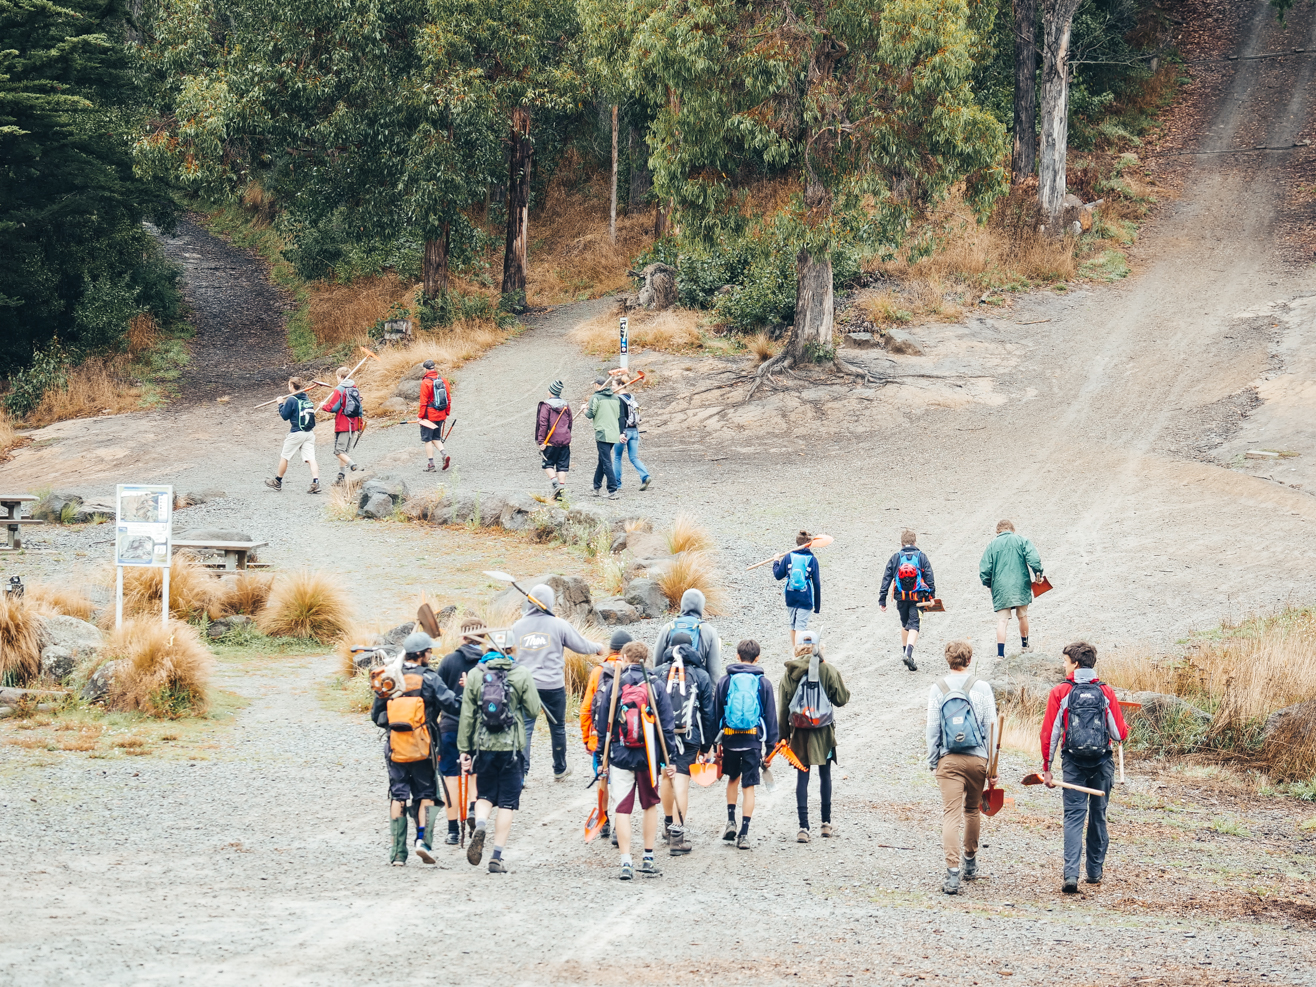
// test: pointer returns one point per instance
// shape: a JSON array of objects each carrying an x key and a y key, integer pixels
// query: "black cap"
[
  {"x": 428, "y": 364},
  {"x": 619, "y": 640}
]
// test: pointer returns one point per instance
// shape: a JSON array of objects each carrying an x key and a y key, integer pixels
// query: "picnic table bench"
[
  {"x": 12, "y": 507},
  {"x": 235, "y": 552}
]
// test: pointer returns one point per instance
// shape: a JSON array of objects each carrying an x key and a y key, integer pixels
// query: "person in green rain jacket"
[{"x": 1004, "y": 570}]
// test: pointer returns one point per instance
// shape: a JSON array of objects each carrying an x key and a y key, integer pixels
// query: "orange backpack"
[{"x": 409, "y": 736}]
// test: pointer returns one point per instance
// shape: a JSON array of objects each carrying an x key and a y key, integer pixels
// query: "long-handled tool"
[
  {"x": 993, "y": 798},
  {"x": 784, "y": 749},
  {"x": 463, "y": 791},
  {"x": 600, "y": 815},
  {"x": 639, "y": 375},
  {"x": 1121, "y": 747},
  {"x": 662, "y": 739},
  {"x": 284, "y": 397},
  {"x": 818, "y": 541},
  {"x": 1036, "y": 779},
  {"x": 503, "y": 577}
]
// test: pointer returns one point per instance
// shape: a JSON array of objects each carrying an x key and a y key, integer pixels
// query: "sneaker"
[
  {"x": 399, "y": 863},
  {"x": 447, "y": 461},
  {"x": 496, "y": 866},
  {"x": 340, "y": 479},
  {"x": 1025, "y": 647},
  {"x": 802, "y": 836},
  {"x": 645, "y": 484},
  {"x": 649, "y": 869},
  {"x": 354, "y": 467},
  {"x": 969, "y": 867},
  {"x": 615, "y": 495},
  {"x": 742, "y": 842},
  {"x": 275, "y": 484},
  {"x": 909, "y": 662},
  {"x": 425, "y": 854},
  {"x": 1070, "y": 885},
  {"x": 678, "y": 844},
  {"x": 827, "y": 830},
  {"x": 951, "y": 885},
  {"x": 452, "y": 839},
  {"x": 561, "y": 489},
  {"x": 476, "y": 850},
  {"x": 598, "y": 492},
  {"x": 314, "y": 487},
  {"x": 627, "y": 872},
  {"x": 428, "y": 469},
  {"x": 562, "y": 776},
  {"x": 614, "y": 837},
  {"x": 1093, "y": 878},
  {"x": 729, "y": 834}
]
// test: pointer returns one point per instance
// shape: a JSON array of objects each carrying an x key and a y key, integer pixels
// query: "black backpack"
[
  {"x": 496, "y": 701},
  {"x": 1086, "y": 732},
  {"x": 351, "y": 402},
  {"x": 439, "y": 395}
]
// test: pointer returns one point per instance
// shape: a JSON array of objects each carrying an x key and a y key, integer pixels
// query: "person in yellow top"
[{"x": 588, "y": 734}]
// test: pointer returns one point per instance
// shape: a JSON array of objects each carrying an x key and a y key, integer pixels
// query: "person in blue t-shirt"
[{"x": 803, "y": 584}]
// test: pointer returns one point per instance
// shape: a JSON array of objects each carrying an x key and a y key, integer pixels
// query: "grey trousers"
[{"x": 1098, "y": 774}]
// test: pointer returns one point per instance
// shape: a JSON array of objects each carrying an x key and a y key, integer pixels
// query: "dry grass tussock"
[
  {"x": 191, "y": 590},
  {"x": 20, "y": 646},
  {"x": 688, "y": 536},
  {"x": 762, "y": 347},
  {"x": 306, "y": 605},
  {"x": 97, "y": 387},
  {"x": 9, "y": 437},
  {"x": 165, "y": 671},
  {"x": 59, "y": 599},
  {"x": 247, "y": 593},
  {"x": 449, "y": 349},
  {"x": 676, "y": 330},
  {"x": 693, "y": 570},
  {"x": 343, "y": 313}
]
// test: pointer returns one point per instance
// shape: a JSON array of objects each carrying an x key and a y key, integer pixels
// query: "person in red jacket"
[
  {"x": 435, "y": 406},
  {"x": 1083, "y": 719}
]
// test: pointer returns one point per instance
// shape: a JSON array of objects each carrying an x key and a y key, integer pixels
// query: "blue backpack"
[
  {"x": 960, "y": 732},
  {"x": 909, "y": 582},
  {"x": 742, "y": 712},
  {"x": 690, "y": 624},
  {"x": 798, "y": 580}
]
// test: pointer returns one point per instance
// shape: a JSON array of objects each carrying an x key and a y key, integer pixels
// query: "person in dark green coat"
[
  {"x": 813, "y": 746},
  {"x": 604, "y": 409},
  {"x": 1004, "y": 570}
]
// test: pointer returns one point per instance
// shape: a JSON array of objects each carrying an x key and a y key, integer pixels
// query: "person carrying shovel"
[
  {"x": 1083, "y": 718},
  {"x": 1004, "y": 570},
  {"x": 299, "y": 412},
  {"x": 553, "y": 436}
]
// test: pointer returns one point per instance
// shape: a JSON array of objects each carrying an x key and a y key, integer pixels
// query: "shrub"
[
  {"x": 306, "y": 605},
  {"x": 49, "y": 369},
  {"x": 692, "y": 570},
  {"x": 688, "y": 536},
  {"x": 191, "y": 590},
  {"x": 247, "y": 594},
  {"x": 164, "y": 671},
  {"x": 59, "y": 599},
  {"x": 101, "y": 317},
  {"x": 20, "y": 646}
]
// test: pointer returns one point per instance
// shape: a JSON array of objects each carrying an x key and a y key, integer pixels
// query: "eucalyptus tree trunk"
[
  {"x": 641, "y": 177},
  {"x": 1057, "y": 19},
  {"x": 518, "y": 207},
  {"x": 434, "y": 267},
  {"x": 1023, "y": 162},
  {"x": 815, "y": 309},
  {"x": 612, "y": 216}
]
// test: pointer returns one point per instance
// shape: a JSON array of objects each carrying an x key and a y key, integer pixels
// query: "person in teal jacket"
[{"x": 1004, "y": 570}]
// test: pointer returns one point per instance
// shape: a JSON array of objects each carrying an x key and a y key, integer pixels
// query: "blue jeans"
[
  {"x": 631, "y": 445},
  {"x": 1100, "y": 775}
]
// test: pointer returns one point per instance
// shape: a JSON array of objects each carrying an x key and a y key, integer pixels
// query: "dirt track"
[{"x": 1109, "y": 429}]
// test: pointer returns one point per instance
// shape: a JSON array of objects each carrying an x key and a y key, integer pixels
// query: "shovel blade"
[
  {"x": 993, "y": 800},
  {"x": 769, "y": 782},
  {"x": 703, "y": 775},
  {"x": 425, "y": 617},
  {"x": 594, "y": 825},
  {"x": 502, "y": 577}
]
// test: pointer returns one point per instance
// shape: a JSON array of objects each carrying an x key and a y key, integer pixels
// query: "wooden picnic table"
[
  {"x": 12, "y": 519},
  {"x": 235, "y": 552}
]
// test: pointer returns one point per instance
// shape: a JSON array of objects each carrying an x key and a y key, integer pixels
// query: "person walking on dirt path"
[
  {"x": 541, "y": 639},
  {"x": 500, "y": 697},
  {"x": 553, "y": 436},
  {"x": 590, "y": 735},
  {"x": 435, "y": 407},
  {"x": 1083, "y": 718},
  {"x": 815, "y": 746},
  {"x": 961, "y": 710},
  {"x": 604, "y": 410},
  {"x": 747, "y": 716},
  {"x": 689, "y": 691},
  {"x": 344, "y": 402},
  {"x": 803, "y": 584},
  {"x": 703, "y": 635},
  {"x": 454, "y": 668},
  {"x": 412, "y": 720},
  {"x": 638, "y": 694},
  {"x": 1004, "y": 570},
  {"x": 629, "y": 443},
  {"x": 909, "y": 574},
  {"x": 299, "y": 412}
]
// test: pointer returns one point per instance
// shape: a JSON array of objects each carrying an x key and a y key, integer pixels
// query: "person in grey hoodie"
[
  {"x": 703, "y": 634},
  {"x": 540, "y": 640}
]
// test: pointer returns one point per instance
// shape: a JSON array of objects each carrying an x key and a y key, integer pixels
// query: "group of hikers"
[
  {"x": 652, "y": 720},
  {"x": 615, "y": 415}
]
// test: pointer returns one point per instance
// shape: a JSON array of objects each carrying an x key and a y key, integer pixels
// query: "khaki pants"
[{"x": 961, "y": 778}]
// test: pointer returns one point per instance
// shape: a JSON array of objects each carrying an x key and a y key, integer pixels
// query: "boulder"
[
  {"x": 396, "y": 636},
  {"x": 93, "y": 511},
  {"x": 1021, "y": 688},
  {"x": 395, "y": 406},
  {"x": 586, "y": 517},
  {"x": 407, "y": 390},
  {"x": 98, "y": 685},
  {"x": 548, "y": 522},
  {"x": 57, "y": 662},
  {"x": 1078, "y": 215},
  {"x": 376, "y": 506},
  {"x": 615, "y": 612},
  {"x": 647, "y": 597},
  {"x": 647, "y": 545},
  {"x": 518, "y": 509},
  {"x": 901, "y": 343},
  {"x": 1157, "y": 708},
  {"x": 218, "y": 628},
  {"x": 51, "y": 508},
  {"x": 646, "y": 569},
  {"x": 457, "y": 508},
  {"x": 861, "y": 340},
  {"x": 77, "y": 636},
  {"x": 395, "y": 490},
  {"x": 416, "y": 373},
  {"x": 659, "y": 289},
  {"x": 618, "y": 544},
  {"x": 1301, "y": 712}
]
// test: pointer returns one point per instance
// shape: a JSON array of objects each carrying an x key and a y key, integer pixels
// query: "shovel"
[
  {"x": 1043, "y": 585},
  {"x": 1036, "y": 779},
  {"x": 503, "y": 577},
  {"x": 599, "y": 817},
  {"x": 818, "y": 541},
  {"x": 703, "y": 773},
  {"x": 993, "y": 798},
  {"x": 784, "y": 749}
]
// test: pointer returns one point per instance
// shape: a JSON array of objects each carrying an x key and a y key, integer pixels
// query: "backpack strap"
[{"x": 813, "y": 666}]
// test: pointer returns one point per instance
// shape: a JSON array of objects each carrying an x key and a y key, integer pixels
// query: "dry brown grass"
[
  {"x": 693, "y": 570},
  {"x": 60, "y": 599},
  {"x": 191, "y": 590},
  {"x": 676, "y": 330},
  {"x": 97, "y": 387},
  {"x": 762, "y": 347},
  {"x": 9, "y": 437},
  {"x": 143, "y": 334},
  {"x": 687, "y": 535},
  {"x": 343, "y": 313},
  {"x": 165, "y": 671},
  {"x": 20, "y": 649},
  {"x": 450, "y": 349},
  {"x": 306, "y": 605},
  {"x": 247, "y": 594}
]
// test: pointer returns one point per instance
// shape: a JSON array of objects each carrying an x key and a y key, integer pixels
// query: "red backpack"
[{"x": 632, "y": 702}]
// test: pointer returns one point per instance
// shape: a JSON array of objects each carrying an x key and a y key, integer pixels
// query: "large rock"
[
  {"x": 1301, "y": 712},
  {"x": 901, "y": 343},
  {"x": 93, "y": 511},
  {"x": 415, "y": 373},
  {"x": 647, "y": 597},
  {"x": 77, "y": 636},
  {"x": 647, "y": 569},
  {"x": 1158, "y": 708},
  {"x": 394, "y": 489},
  {"x": 616, "y": 612},
  {"x": 1075, "y": 211},
  {"x": 376, "y": 506},
  {"x": 518, "y": 510},
  {"x": 586, "y": 517},
  {"x": 571, "y": 595},
  {"x": 218, "y": 628},
  {"x": 395, "y": 406},
  {"x": 647, "y": 545},
  {"x": 396, "y": 636},
  {"x": 57, "y": 662},
  {"x": 659, "y": 289},
  {"x": 98, "y": 685},
  {"x": 408, "y": 390},
  {"x": 51, "y": 508}
]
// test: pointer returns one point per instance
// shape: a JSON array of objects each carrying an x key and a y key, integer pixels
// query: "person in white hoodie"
[
  {"x": 541, "y": 639},
  {"x": 961, "y": 711},
  {"x": 553, "y": 435}
]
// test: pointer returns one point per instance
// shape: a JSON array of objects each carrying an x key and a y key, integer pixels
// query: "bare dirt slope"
[{"x": 1106, "y": 422}]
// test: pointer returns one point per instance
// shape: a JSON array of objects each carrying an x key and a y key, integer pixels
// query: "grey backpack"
[{"x": 960, "y": 732}]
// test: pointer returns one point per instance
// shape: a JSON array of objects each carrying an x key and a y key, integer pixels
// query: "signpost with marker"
[{"x": 624, "y": 344}]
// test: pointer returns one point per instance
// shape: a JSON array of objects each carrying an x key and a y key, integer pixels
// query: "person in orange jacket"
[
  {"x": 435, "y": 406},
  {"x": 588, "y": 734}
]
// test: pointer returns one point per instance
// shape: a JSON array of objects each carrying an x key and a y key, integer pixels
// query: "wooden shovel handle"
[{"x": 1079, "y": 788}]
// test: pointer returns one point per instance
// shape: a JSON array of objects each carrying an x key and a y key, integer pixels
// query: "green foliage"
[{"x": 48, "y": 369}]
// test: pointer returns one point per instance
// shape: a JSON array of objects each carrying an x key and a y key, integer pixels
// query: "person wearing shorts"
[
  {"x": 499, "y": 778},
  {"x": 803, "y": 584},
  {"x": 299, "y": 411},
  {"x": 742, "y": 749},
  {"x": 347, "y": 428},
  {"x": 908, "y": 591},
  {"x": 1009, "y": 567},
  {"x": 688, "y": 686},
  {"x": 435, "y": 407},
  {"x": 553, "y": 436}
]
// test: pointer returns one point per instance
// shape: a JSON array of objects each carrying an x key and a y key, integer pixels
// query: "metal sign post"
[
  {"x": 625, "y": 348},
  {"x": 144, "y": 531}
]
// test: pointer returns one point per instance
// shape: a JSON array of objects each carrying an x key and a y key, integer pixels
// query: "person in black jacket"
[
  {"x": 413, "y": 779},
  {"x": 453, "y": 671},
  {"x": 909, "y": 591},
  {"x": 627, "y": 762},
  {"x": 690, "y": 694}
]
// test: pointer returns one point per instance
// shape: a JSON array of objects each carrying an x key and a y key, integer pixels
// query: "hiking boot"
[
  {"x": 667, "y": 830},
  {"x": 802, "y": 836},
  {"x": 430, "y": 468},
  {"x": 969, "y": 867},
  {"x": 645, "y": 484},
  {"x": 314, "y": 487},
  {"x": 476, "y": 850},
  {"x": 627, "y": 871},
  {"x": 678, "y": 844},
  {"x": 275, "y": 483},
  {"x": 614, "y": 837},
  {"x": 951, "y": 885},
  {"x": 452, "y": 839},
  {"x": 606, "y": 830},
  {"x": 562, "y": 775},
  {"x": 649, "y": 869},
  {"x": 447, "y": 461},
  {"x": 398, "y": 830},
  {"x": 496, "y": 866},
  {"x": 827, "y": 830},
  {"x": 909, "y": 662},
  {"x": 742, "y": 842},
  {"x": 1093, "y": 878},
  {"x": 340, "y": 479},
  {"x": 561, "y": 489},
  {"x": 729, "y": 834},
  {"x": 1070, "y": 886}
]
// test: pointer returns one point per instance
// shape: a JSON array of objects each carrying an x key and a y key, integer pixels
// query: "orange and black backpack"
[{"x": 409, "y": 736}]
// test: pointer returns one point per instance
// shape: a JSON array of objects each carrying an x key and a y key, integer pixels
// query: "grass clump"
[
  {"x": 675, "y": 330},
  {"x": 59, "y": 599},
  {"x": 306, "y": 605},
  {"x": 191, "y": 590},
  {"x": 692, "y": 569},
  {"x": 20, "y": 642},
  {"x": 161, "y": 671},
  {"x": 687, "y": 535},
  {"x": 246, "y": 594}
]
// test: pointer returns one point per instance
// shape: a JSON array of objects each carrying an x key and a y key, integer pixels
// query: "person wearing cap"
[
  {"x": 604, "y": 410},
  {"x": 414, "y": 781},
  {"x": 588, "y": 734},
  {"x": 435, "y": 406},
  {"x": 541, "y": 641},
  {"x": 453, "y": 670},
  {"x": 553, "y": 436}
]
